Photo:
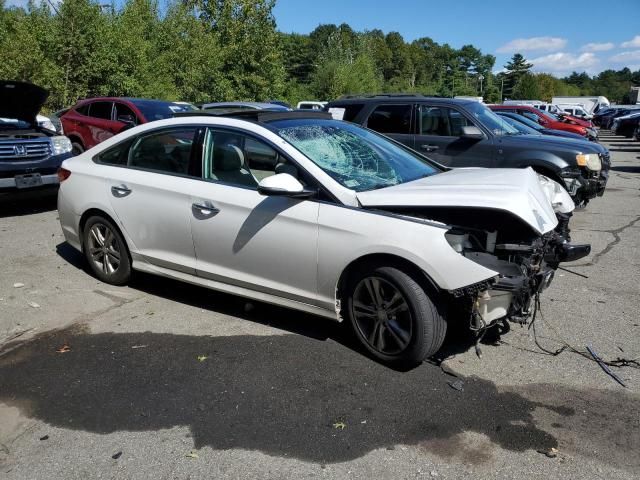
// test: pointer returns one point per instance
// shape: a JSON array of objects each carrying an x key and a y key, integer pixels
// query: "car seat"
[{"x": 229, "y": 166}]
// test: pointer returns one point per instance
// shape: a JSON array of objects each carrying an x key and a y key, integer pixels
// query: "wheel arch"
[
  {"x": 387, "y": 260},
  {"x": 74, "y": 137},
  {"x": 547, "y": 172},
  {"x": 91, "y": 212}
]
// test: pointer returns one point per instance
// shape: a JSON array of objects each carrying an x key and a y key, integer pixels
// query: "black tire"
[
  {"x": 114, "y": 271},
  {"x": 76, "y": 148},
  {"x": 427, "y": 325}
]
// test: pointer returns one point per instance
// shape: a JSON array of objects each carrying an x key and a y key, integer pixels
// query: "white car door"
[
  {"x": 150, "y": 193},
  {"x": 264, "y": 243}
]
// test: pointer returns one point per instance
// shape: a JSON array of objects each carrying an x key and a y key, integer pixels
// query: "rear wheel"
[
  {"x": 393, "y": 317},
  {"x": 106, "y": 251}
]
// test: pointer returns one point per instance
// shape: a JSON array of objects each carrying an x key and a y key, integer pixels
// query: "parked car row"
[
  {"x": 605, "y": 117},
  {"x": 380, "y": 227}
]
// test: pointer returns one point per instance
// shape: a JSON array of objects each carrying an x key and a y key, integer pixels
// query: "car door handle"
[
  {"x": 206, "y": 208},
  {"x": 120, "y": 190},
  {"x": 429, "y": 148}
]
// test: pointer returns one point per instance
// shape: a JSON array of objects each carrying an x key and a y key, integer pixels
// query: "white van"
[
  {"x": 576, "y": 111},
  {"x": 590, "y": 104},
  {"x": 539, "y": 104},
  {"x": 310, "y": 105}
]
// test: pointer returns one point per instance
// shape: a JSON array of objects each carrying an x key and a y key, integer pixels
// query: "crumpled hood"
[
  {"x": 515, "y": 190},
  {"x": 21, "y": 100}
]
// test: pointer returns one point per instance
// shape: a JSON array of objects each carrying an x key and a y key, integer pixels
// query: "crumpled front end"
[{"x": 525, "y": 266}]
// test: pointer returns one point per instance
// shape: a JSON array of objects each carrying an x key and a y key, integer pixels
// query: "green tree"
[
  {"x": 252, "y": 59},
  {"x": 526, "y": 88},
  {"x": 515, "y": 68},
  {"x": 190, "y": 53}
]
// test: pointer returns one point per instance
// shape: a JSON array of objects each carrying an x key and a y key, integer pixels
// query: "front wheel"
[
  {"x": 76, "y": 148},
  {"x": 106, "y": 251},
  {"x": 393, "y": 317}
]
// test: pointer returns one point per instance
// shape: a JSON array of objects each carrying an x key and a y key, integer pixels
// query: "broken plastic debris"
[
  {"x": 202, "y": 358},
  {"x": 339, "y": 425},
  {"x": 138, "y": 346},
  {"x": 192, "y": 454},
  {"x": 551, "y": 453},
  {"x": 34, "y": 305},
  {"x": 64, "y": 349},
  {"x": 18, "y": 285},
  {"x": 457, "y": 385}
]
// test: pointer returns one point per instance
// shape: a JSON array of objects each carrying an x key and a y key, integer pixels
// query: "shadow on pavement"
[
  {"x": 626, "y": 169},
  {"x": 457, "y": 341},
  {"x": 20, "y": 203},
  {"x": 285, "y": 395}
]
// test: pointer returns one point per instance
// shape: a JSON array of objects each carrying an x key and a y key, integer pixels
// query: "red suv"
[
  {"x": 93, "y": 120},
  {"x": 548, "y": 120}
]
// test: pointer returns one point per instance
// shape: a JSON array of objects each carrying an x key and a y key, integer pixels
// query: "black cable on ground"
[{"x": 566, "y": 346}]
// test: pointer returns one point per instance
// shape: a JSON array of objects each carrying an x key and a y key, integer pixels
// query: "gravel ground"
[{"x": 166, "y": 380}]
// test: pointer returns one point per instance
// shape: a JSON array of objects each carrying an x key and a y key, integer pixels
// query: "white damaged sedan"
[{"x": 323, "y": 216}]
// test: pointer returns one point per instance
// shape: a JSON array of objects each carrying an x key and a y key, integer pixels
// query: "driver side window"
[
  {"x": 241, "y": 160},
  {"x": 442, "y": 121}
]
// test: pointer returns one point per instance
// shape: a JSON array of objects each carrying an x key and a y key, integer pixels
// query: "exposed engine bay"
[{"x": 524, "y": 259}]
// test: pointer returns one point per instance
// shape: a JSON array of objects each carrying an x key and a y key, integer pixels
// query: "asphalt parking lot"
[{"x": 165, "y": 380}]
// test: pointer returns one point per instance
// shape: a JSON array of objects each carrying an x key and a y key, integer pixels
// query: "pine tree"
[{"x": 516, "y": 68}]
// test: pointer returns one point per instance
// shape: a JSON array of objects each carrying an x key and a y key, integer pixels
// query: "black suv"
[
  {"x": 30, "y": 155},
  {"x": 465, "y": 133}
]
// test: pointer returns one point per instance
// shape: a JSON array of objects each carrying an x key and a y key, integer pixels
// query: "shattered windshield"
[{"x": 356, "y": 158}]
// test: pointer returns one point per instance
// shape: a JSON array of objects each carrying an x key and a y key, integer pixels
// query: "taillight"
[{"x": 63, "y": 174}]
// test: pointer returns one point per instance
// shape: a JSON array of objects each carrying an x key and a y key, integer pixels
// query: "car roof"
[
  {"x": 395, "y": 97},
  {"x": 260, "y": 116},
  {"x": 254, "y": 105},
  {"x": 134, "y": 100}
]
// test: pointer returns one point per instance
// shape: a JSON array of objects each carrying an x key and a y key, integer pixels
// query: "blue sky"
[{"x": 557, "y": 36}]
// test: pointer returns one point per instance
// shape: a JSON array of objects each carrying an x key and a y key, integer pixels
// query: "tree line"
[{"x": 216, "y": 50}]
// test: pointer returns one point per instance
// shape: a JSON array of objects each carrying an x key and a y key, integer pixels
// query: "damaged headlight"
[
  {"x": 60, "y": 145},
  {"x": 589, "y": 160}
]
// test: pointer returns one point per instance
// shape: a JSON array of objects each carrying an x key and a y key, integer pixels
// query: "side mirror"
[
  {"x": 472, "y": 132},
  {"x": 283, "y": 185},
  {"x": 127, "y": 120}
]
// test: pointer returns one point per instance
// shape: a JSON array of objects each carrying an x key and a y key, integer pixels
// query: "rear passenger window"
[
  {"x": 166, "y": 151},
  {"x": 101, "y": 110},
  {"x": 117, "y": 155},
  {"x": 350, "y": 111},
  {"x": 391, "y": 119}
]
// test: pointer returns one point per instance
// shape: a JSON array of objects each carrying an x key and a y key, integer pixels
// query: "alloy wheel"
[
  {"x": 382, "y": 315},
  {"x": 103, "y": 248}
]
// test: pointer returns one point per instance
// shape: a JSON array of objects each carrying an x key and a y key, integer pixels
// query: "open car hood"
[
  {"x": 518, "y": 191},
  {"x": 21, "y": 100}
]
